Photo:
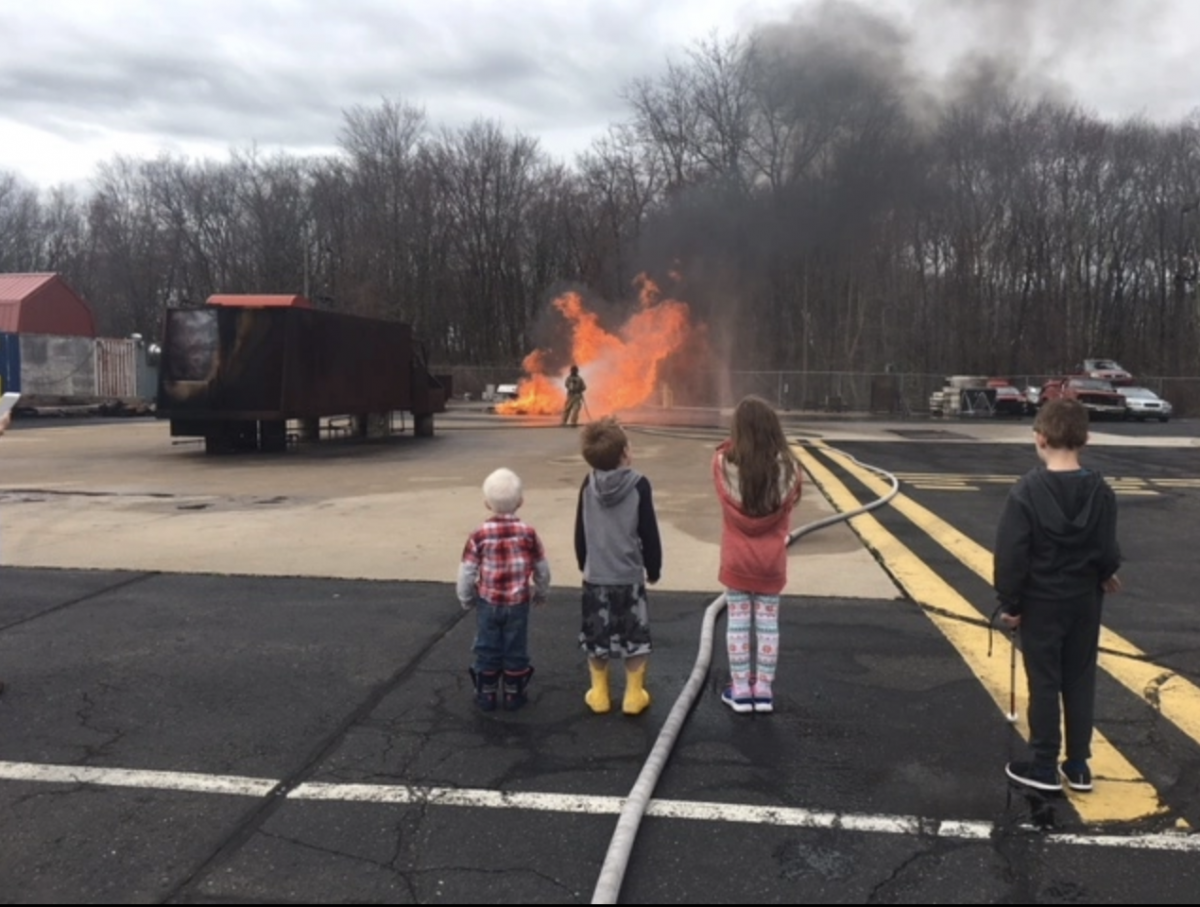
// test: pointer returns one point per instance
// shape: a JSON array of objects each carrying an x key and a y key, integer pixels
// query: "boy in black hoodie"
[{"x": 1056, "y": 556}]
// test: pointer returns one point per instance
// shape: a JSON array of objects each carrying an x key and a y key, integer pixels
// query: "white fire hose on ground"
[{"x": 612, "y": 873}]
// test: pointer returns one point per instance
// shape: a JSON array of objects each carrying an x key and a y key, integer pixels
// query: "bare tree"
[
  {"x": 823, "y": 215},
  {"x": 20, "y": 215},
  {"x": 666, "y": 116},
  {"x": 487, "y": 178}
]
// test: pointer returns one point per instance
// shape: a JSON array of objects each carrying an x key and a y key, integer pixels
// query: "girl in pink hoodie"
[{"x": 758, "y": 483}]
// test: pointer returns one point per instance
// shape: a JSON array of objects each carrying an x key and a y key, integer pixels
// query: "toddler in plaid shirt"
[{"x": 503, "y": 569}]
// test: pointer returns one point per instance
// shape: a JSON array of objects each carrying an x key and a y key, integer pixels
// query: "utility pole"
[
  {"x": 307, "y": 239},
  {"x": 1185, "y": 274}
]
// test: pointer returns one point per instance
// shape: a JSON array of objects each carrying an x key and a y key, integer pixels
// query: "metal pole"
[{"x": 1012, "y": 676}]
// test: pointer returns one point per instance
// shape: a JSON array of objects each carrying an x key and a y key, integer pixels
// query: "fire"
[{"x": 621, "y": 370}]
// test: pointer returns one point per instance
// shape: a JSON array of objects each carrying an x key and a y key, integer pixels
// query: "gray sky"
[{"x": 82, "y": 80}]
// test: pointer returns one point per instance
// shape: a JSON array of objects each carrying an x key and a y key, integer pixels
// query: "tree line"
[{"x": 818, "y": 215}]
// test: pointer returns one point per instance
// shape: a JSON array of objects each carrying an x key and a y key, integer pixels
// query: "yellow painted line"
[
  {"x": 1121, "y": 794},
  {"x": 936, "y": 479},
  {"x": 933, "y": 479},
  {"x": 1118, "y": 483},
  {"x": 1175, "y": 698},
  {"x": 950, "y": 477},
  {"x": 940, "y": 480}
]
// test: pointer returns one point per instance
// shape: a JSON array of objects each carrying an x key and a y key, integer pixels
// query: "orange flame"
[{"x": 621, "y": 370}]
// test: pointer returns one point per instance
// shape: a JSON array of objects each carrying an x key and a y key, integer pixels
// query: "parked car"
[
  {"x": 1106, "y": 370},
  {"x": 1099, "y": 397},
  {"x": 1010, "y": 400},
  {"x": 1141, "y": 403},
  {"x": 499, "y": 393}
]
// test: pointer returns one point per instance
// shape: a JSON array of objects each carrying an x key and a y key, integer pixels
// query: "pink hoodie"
[{"x": 753, "y": 549}]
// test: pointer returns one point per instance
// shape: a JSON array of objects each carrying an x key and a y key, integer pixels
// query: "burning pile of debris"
[{"x": 622, "y": 368}]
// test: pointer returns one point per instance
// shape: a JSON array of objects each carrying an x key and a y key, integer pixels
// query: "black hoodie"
[{"x": 1057, "y": 538}]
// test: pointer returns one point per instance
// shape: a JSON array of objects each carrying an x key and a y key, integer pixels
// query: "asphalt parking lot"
[{"x": 264, "y": 698}]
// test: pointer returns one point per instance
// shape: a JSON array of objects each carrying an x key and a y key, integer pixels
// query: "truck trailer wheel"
[
  {"x": 272, "y": 436},
  {"x": 230, "y": 436},
  {"x": 423, "y": 425}
]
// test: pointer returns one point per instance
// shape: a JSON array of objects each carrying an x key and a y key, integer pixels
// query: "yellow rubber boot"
[
  {"x": 637, "y": 700},
  {"x": 597, "y": 697}
]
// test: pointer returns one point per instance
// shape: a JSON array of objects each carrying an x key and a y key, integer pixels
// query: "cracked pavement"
[
  {"x": 307, "y": 680},
  {"x": 364, "y": 683}
]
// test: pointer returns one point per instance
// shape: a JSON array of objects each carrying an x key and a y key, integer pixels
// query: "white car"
[
  {"x": 499, "y": 393},
  {"x": 1141, "y": 403}
]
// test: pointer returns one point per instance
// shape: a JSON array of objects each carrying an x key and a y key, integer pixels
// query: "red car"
[
  {"x": 1099, "y": 397},
  {"x": 1010, "y": 400},
  {"x": 1106, "y": 370}
]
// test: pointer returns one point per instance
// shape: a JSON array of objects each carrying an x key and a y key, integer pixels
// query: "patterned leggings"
[{"x": 762, "y": 611}]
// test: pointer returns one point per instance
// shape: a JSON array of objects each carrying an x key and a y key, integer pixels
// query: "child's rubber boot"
[
  {"x": 515, "y": 683},
  {"x": 597, "y": 697},
  {"x": 637, "y": 700},
  {"x": 487, "y": 688}
]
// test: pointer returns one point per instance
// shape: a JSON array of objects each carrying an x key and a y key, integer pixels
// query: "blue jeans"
[{"x": 501, "y": 637}]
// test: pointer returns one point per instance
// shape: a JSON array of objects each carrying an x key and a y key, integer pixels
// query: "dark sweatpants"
[{"x": 1059, "y": 642}]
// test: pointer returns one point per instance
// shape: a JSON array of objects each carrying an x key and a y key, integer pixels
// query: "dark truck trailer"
[{"x": 234, "y": 375}]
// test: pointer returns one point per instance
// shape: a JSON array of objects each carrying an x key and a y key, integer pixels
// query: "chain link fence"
[
  {"x": 472, "y": 382},
  {"x": 884, "y": 393}
]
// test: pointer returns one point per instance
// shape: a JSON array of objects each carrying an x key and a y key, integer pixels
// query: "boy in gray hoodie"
[
  {"x": 619, "y": 551},
  {"x": 1056, "y": 556}
]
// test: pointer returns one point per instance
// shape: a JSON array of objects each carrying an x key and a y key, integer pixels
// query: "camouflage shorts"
[{"x": 616, "y": 621}]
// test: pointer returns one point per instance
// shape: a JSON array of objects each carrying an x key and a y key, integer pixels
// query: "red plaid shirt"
[{"x": 505, "y": 552}]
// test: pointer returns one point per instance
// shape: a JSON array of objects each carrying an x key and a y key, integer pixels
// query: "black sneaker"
[
  {"x": 1077, "y": 774},
  {"x": 1031, "y": 774}
]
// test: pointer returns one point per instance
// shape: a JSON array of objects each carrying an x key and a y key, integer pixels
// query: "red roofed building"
[{"x": 43, "y": 304}]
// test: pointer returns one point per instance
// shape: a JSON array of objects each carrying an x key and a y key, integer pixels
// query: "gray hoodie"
[{"x": 616, "y": 530}]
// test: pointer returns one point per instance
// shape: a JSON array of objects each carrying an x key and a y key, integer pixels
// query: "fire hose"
[{"x": 612, "y": 873}]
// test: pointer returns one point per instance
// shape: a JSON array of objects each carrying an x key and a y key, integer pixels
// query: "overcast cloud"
[{"x": 82, "y": 80}]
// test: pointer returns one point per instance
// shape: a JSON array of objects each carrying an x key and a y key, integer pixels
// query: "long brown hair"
[{"x": 761, "y": 453}]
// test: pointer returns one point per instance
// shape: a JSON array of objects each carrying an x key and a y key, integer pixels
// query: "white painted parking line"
[
  {"x": 584, "y": 804},
  {"x": 663, "y": 809},
  {"x": 804, "y": 818},
  {"x": 578, "y": 804},
  {"x": 123, "y": 777}
]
